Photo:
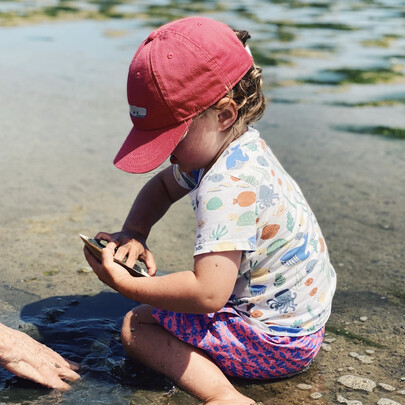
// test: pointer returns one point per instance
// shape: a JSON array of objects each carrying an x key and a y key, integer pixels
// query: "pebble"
[
  {"x": 386, "y": 401},
  {"x": 365, "y": 359},
  {"x": 326, "y": 347},
  {"x": 343, "y": 400},
  {"x": 362, "y": 357},
  {"x": 316, "y": 395},
  {"x": 350, "y": 368},
  {"x": 357, "y": 383},
  {"x": 401, "y": 392},
  {"x": 304, "y": 386},
  {"x": 386, "y": 387},
  {"x": 363, "y": 318},
  {"x": 370, "y": 351},
  {"x": 329, "y": 340}
]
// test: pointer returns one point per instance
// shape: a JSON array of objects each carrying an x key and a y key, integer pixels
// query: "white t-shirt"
[{"x": 247, "y": 202}]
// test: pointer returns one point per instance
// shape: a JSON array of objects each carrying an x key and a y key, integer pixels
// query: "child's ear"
[{"x": 227, "y": 113}]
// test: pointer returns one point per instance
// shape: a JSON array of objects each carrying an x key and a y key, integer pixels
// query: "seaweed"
[
  {"x": 358, "y": 76},
  {"x": 352, "y": 336},
  {"x": 387, "y": 132}
]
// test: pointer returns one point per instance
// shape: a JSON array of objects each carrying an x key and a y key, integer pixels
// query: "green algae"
[
  {"x": 384, "y": 42},
  {"x": 344, "y": 76},
  {"x": 375, "y": 103},
  {"x": 265, "y": 57},
  {"x": 50, "y": 273},
  {"x": 319, "y": 25},
  {"x": 386, "y": 132},
  {"x": 352, "y": 336}
]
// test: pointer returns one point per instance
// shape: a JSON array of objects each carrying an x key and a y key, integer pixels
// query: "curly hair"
[{"x": 247, "y": 93}]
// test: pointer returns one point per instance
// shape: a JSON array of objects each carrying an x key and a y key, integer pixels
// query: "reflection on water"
[{"x": 340, "y": 54}]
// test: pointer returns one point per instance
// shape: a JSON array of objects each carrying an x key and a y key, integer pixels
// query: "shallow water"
[{"x": 334, "y": 75}]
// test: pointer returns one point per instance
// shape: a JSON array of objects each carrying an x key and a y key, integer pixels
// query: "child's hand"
[
  {"x": 130, "y": 245},
  {"x": 108, "y": 271}
]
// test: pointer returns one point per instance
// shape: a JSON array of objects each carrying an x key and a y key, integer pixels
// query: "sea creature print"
[
  {"x": 310, "y": 266},
  {"x": 245, "y": 198},
  {"x": 214, "y": 203},
  {"x": 267, "y": 196},
  {"x": 199, "y": 242},
  {"x": 262, "y": 161},
  {"x": 216, "y": 178},
  {"x": 218, "y": 232},
  {"x": 236, "y": 158},
  {"x": 296, "y": 255},
  {"x": 283, "y": 301}
]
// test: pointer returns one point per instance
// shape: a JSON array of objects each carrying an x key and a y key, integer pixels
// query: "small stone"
[
  {"x": 383, "y": 298},
  {"x": 350, "y": 368},
  {"x": 340, "y": 369},
  {"x": 357, "y": 383},
  {"x": 341, "y": 264},
  {"x": 326, "y": 347},
  {"x": 316, "y": 395},
  {"x": 343, "y": 400},
  {"x": 401, "y": 392},
  {"x": 329, "y": 340},
  {"x": 365, "y": 359},
  {"x": 402, "y": 378},
  {"x": 370, "y": 351},
  {"x": 304, "y": 386},
  {"x": 354, "y": 354},
  {"x": 85, "y": 269},
  {"x": 386, "y": 387},
  {"x": 363, "y": 318},
  {"x": 386, "y": 401}
]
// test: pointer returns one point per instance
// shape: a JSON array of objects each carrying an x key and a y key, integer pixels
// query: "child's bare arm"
[
  {"x": 150, "y": 205},
  {"x": 204, "y": 290}
]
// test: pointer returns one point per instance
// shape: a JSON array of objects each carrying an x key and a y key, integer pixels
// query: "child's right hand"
[{"x": 131, "y": 245}]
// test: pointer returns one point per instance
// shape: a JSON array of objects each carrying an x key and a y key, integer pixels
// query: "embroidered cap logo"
[{"x": 137, "y": 112}]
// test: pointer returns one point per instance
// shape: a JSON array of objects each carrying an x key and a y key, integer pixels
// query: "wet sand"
[{"x": 63, "y": 117}]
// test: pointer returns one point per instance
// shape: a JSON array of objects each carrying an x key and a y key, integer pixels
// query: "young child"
[{"x": 260, "y": 293}]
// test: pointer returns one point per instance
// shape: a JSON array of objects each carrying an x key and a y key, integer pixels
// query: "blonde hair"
[{"x": 247, "y": 93}]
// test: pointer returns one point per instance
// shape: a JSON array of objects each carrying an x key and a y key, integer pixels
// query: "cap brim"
[{"x": 144, "y": 151}]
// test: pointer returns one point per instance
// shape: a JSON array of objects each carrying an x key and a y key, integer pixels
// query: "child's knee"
[{"x": 141, "y": 314}]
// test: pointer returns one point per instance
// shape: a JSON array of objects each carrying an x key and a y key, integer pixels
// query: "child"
[{"x": 260, "y": 293}]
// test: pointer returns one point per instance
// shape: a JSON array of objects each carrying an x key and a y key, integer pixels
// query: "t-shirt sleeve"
[{"x": 225, "y": 209}]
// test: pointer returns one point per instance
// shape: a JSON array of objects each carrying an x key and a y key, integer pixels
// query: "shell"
[
  {"x": 214, "y": 203},
  {"x": 246, "y": 219}
]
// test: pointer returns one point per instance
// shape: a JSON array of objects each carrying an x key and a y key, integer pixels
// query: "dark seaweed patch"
[
  {"x": 387, "y": 132},
  {"x": 352, "y": 336},
  {"x": 358, "y": 76}
]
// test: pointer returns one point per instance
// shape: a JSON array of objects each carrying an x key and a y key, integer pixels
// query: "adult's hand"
[
  {"x": 129, "y": 245},
  {"x": 25, "y": 357}
]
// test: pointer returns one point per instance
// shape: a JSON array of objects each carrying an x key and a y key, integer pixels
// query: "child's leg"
[{"x": 187, "y": 366}]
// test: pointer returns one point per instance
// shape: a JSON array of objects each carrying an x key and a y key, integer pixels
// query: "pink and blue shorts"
[{"x": 239, "y": 349}]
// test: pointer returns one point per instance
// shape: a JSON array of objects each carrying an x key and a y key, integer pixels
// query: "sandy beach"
[{"x": 63, "y": 117}]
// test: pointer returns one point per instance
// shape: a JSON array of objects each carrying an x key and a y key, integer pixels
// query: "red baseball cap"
[{"x": 180, "y": 70}]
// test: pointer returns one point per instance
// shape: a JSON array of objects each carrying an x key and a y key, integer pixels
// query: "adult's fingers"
[
  {"x": 104, "y": 236},
  {"x": 149, "y": 260}
]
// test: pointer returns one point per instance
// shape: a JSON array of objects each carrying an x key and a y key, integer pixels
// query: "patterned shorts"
[{"x": 239, "y": 349}]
